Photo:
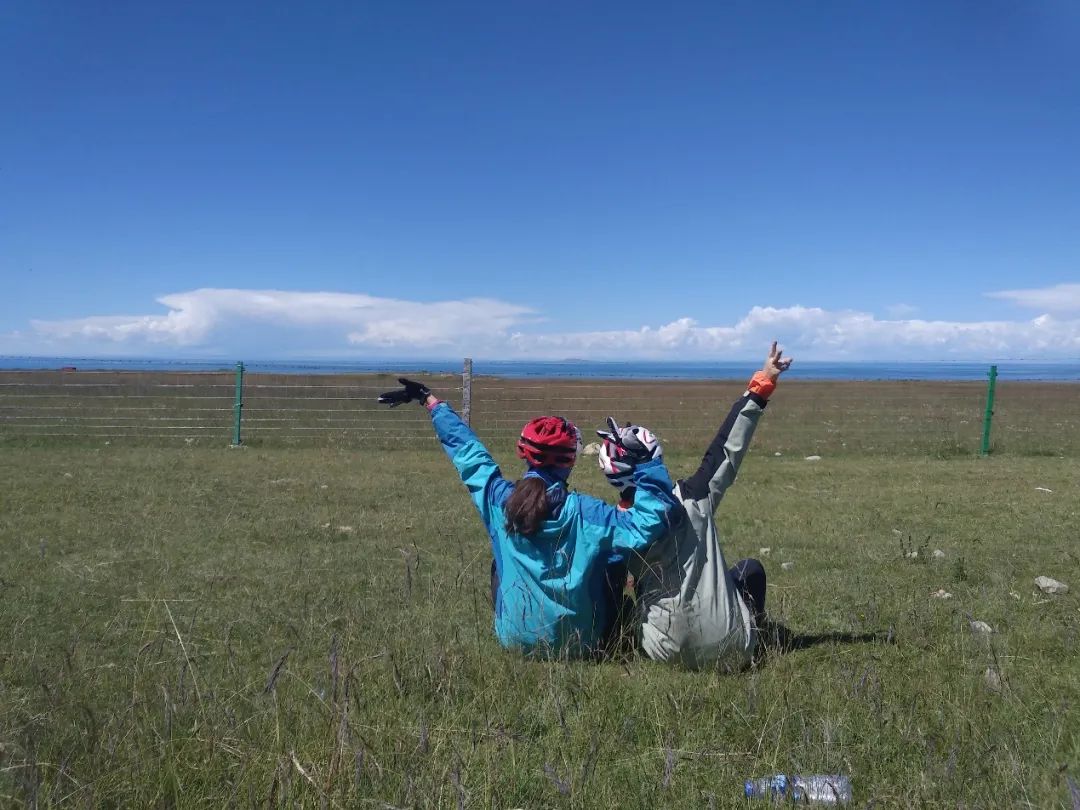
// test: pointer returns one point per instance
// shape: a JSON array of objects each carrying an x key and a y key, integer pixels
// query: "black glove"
[{"x": 412, "y": 392}]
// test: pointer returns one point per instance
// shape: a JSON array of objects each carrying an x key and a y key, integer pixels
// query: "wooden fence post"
[{"x": 466, "y": 391}]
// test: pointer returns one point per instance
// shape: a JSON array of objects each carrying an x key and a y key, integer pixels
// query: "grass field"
[{"x": 185, "y": 625}]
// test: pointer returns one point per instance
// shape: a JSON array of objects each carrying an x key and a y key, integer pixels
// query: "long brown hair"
[{"x": 527, "y": 507}]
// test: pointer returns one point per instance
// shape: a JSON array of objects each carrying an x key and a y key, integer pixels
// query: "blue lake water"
[{"x": 807, "y": 370}]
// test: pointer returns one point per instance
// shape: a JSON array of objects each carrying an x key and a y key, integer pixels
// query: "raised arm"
[
  {"x": 725, "y": 453},
  {"x": 641, "y": 523},
  {"x": 478, "y": 470}
]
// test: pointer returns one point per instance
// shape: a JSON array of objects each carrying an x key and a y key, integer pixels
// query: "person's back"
[
  {"x": 692, "y": 609},
  {"x": 551, "y": 594}
]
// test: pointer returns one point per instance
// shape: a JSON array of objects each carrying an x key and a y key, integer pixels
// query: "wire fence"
[{"x": 807, "y": 417}]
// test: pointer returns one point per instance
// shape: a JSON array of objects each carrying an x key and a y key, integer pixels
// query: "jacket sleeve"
[
  {"x": 478, "y": 470},
  {"x": 648, "y": 519},
  {"x": 721, "y": 462}
]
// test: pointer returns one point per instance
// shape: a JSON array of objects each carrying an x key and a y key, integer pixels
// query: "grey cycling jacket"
[{"x": 690, "y": 611}]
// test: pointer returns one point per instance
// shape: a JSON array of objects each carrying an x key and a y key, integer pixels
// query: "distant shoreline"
[{"x": 951, "y": 371}]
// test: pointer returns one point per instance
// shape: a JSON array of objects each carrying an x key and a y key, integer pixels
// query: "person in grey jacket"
[{"x": 691, "y": 608}]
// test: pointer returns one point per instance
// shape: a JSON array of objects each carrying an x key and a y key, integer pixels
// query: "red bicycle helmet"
[{"x": 549, "y": 441}]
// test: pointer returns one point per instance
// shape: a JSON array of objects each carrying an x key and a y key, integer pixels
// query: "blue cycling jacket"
[{"x": 548, "y": 602}]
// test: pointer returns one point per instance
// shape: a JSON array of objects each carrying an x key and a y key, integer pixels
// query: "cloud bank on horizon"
[{"x": 350, "y": 324}]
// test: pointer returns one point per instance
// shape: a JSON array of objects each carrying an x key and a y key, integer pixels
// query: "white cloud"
[
  {"x": 820, "y": 334},
  {"x": 1059, "y": 298},
  {"x": 194, "y": 317},
  {"x": 442, "y": 323},
  {"x": 206, "y": 321}
]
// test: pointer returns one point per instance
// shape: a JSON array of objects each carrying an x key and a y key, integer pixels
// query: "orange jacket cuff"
[{"x": 761, "y": 385}]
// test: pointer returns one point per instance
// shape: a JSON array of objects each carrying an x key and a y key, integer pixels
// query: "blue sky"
[{"x": 893, "y": 180}]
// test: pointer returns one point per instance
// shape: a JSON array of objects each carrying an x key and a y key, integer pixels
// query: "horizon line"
[{"x": 567, "y": 360}]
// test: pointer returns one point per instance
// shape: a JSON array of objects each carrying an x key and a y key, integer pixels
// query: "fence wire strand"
[{"x": 902, "y": 417}]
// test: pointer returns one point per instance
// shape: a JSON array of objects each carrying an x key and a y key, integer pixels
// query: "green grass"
[{"x": 192, "y": 627}]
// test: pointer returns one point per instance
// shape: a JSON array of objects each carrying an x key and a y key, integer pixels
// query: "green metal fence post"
[
  {"x": 239, "y": 406},
  {"x": 989, "y": 411}
]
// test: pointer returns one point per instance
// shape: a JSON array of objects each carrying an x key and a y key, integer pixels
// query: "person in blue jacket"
[{"x": 552, "y": 546}]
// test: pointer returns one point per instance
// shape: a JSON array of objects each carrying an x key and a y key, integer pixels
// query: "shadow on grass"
[{"x": 779, "y": 638}]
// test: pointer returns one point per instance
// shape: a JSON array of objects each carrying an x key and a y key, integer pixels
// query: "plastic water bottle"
[{"x": 821, "y": 789}]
